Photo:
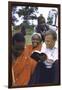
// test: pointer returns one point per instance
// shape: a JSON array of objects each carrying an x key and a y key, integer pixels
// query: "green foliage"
[
  {"x": 29, "y": 31},
  {"x": 25, "y": 24},
  {"x": 26, "y": 11}
]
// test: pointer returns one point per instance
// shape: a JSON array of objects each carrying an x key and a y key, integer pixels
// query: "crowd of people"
[{"x": 28, "y": 72}]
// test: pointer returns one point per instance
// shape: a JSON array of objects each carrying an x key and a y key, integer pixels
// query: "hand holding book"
[{"x": 38, "y": 56}]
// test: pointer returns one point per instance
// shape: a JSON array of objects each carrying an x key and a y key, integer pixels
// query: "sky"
[{"x": 41, "y": 10}]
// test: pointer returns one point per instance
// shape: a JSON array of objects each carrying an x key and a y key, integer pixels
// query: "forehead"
[
  {"x": 49, "y": 37},
  {"x": 35, "y": 36}
]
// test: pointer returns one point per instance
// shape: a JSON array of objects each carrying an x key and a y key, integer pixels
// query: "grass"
[{"x": 28, "y": 39}]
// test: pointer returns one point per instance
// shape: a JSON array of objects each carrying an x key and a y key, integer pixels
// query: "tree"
[
  {"x": 25, "y": 24},
  {"x": 13, "y": 16},
  {"x": 27, "y": 12}
]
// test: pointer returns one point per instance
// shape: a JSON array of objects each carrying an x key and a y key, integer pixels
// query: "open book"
[{"x": 38, "y": 56}]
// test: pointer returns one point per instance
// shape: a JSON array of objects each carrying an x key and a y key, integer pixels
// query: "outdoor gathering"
[{"x": 35, "y": 46}]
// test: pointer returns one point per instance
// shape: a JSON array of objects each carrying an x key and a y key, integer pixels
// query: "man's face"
[
  {"x": 35, "y": 40},
  {"x": 49, "y": 41},
  {"x": 18, "y": 48}
]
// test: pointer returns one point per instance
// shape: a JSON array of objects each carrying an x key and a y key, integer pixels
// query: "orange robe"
[
  {"x": 29, "y": 50},
  {"x": 24, "y": 67}
]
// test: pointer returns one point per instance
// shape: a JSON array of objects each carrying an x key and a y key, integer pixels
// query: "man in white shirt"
[
  {"x": 51, "y": 53},
  {"x": 49, "y": 47}
]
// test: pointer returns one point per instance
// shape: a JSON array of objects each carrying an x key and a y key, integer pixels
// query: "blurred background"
[{"x": 26, "y": 19}]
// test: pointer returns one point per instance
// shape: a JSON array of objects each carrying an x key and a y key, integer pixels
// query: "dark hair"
[
  {"x": 41, "y": 19},
  {"x": 53, "y": 33},
  {"x": 19, "y": 37}
]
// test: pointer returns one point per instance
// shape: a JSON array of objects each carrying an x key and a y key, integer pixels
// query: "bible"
[{"x": 38, "y": 56}]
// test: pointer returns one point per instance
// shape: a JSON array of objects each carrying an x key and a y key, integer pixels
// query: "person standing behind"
[
  {"x": 42, "y": 27},
  {"x": 23, "y": 30}
]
